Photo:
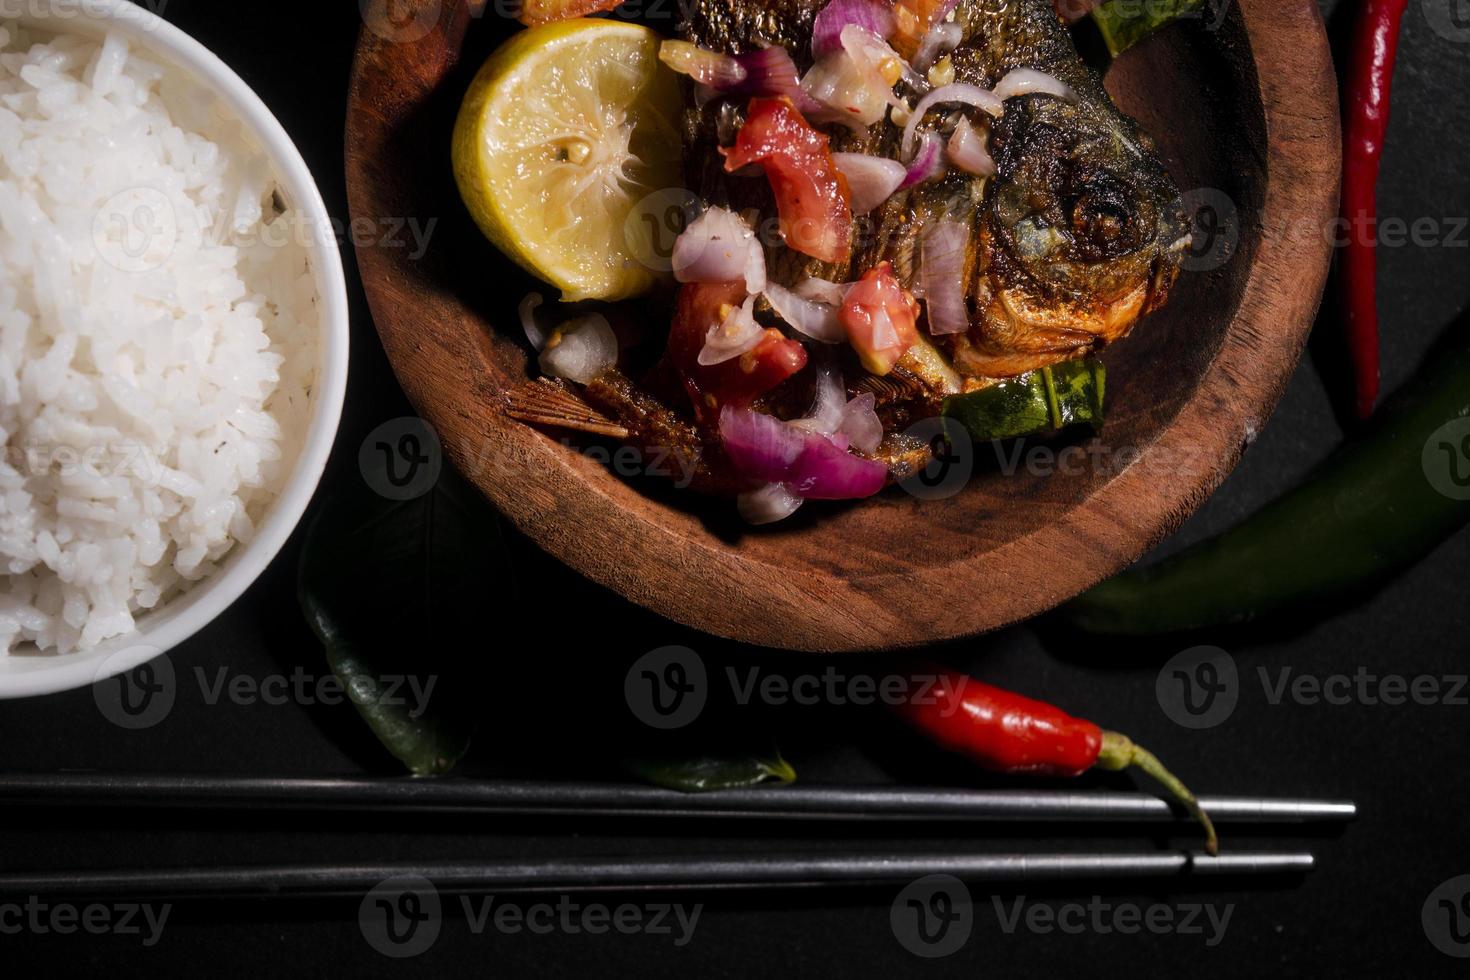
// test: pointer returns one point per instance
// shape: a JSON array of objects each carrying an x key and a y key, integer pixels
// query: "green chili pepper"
[
  {"x": 1042, "y": 402},
  {"x": 1123, "y": 23},
  {"x": 1378, "y": 504}
]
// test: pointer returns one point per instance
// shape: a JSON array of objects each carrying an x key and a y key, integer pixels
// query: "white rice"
[{"x": 157, "y": 339}]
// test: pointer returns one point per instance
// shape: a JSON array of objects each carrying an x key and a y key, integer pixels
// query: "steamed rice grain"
[{"x": 157, "y": 337}]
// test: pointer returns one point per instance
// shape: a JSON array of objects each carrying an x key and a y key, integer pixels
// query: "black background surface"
[{"x": 558, "y": 656}]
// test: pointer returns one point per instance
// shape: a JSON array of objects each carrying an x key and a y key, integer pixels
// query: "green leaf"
[
  {"x": 701, "y": 774},
  {"x": 1123, "y": 23},
  {"x": 393, "y": 589},
  {"x": 1038, "y": 403}
]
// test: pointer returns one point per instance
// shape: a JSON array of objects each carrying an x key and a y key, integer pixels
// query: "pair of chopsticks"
[{"x": 524, "y": 798}]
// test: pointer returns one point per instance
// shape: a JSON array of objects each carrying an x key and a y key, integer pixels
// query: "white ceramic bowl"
[{"x": 27, "y": 675}]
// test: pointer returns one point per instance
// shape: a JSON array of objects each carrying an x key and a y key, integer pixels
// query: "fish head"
[{"x": 1081, "y": 234}]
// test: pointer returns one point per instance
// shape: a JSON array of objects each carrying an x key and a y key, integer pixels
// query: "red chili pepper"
[
  {"x": 813, "y": 202},
  {"x": 1365, "y": 105},
  {"x": 1008, "y": 733},
  {"x": 738, "y": 381}
]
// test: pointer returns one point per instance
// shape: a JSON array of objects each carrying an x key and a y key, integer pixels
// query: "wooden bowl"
[{"x": 1246, "y": 113}]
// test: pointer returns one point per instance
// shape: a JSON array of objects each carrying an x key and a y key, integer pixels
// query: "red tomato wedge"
[
  {"x": 736, "y": 382},
  {"x": 880, "y": 318},
  {"x": 812, "y": 199}
]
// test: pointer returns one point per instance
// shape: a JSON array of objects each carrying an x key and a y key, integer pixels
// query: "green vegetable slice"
[
  {"x": 392, "y": 589},
  {"x": 1042, "y": 402},
  {"x": 701, "y": 774},
  {"x": 1123, "y": 23}
]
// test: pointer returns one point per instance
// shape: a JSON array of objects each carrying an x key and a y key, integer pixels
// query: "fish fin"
[
  {"x": 897, "y": 385},
  {"x": 552, "y": 403}
]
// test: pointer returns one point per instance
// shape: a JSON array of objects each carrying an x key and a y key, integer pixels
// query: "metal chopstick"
[
  {"x": 538, "y": 798},
  {"x": 642, "y": 874}
]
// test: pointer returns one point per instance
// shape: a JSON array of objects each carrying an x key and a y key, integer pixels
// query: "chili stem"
[{"x": 1120, "y": 752}]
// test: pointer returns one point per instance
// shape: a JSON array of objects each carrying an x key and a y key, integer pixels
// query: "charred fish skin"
[
  {"x": 1081, "y": 231},
  {"x": 1077, "y": 236}
]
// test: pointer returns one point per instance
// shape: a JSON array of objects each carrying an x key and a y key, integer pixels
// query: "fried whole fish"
[{"x": 1077, "y": 236}]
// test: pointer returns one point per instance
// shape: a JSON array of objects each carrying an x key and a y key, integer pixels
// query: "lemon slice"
[{"x": 564, "y": 131}]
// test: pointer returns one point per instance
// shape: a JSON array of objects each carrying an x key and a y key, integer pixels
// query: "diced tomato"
[
  {"x": 879, "y": 316},
  {"x": 535, "y": 12},
  {"x": 739, "y": 381},
  {"x": 812, "y": 199}
]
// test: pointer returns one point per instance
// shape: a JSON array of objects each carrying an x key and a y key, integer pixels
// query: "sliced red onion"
[
  {"x": 825, "y": 417},
  {"x": 941, "y": 40},
  {"x": 529, "y": 304},
  {"x": 1029, "y": 81},
  {"x": 826, "y": 472},
  {"x": 942, "y": 273},
  {"x": 719, "y": 246},
  {"x": 860, "y": 423},
  {"x": 874, "y": 15},
  {"x": 983, "y": 99},
  {"x": 771, "y": 503},
  {"x": 581, "y": 349},
  {"x": 733, "y": 336},
  {"x": 811, "y": 466},
  {"x": 769, "y": 71},
  {"x": 967, "y": 150},
  {"x": 760, "y": 446},
  {"x": 718, "y": 71},
  {"x": 765, "y": 71},
  {"x": 852, "y": 423},
  {"x": 822, "y": 290},
  {"x": 872, "y": 180},
  {"x": 928, "y": 161},
  {"x": 811, "y": 318}
]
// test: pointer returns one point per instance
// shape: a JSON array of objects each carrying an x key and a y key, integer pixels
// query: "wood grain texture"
[{"x": 1246, "y": 115}]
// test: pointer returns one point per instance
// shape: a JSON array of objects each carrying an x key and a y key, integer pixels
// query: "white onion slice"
[
  {"x": 822, "y": 290},
  {"x": 882, "y": 64},
  {"x": 872, "y": 180},
  {"x": 845, "y": 87},
  {"x": 983, "y": 99},
  {"x": 967, "y": 150},
  {"x": 1029, "y": 81},
  {"x": 771, "y": 503},
  {"x": 733, "y": 336},
  {"x": 719, "y": 246},
  {"x": 581, "y": 349},
  {"x": 814, "y": 319},
  {"x": 942, "y": 272},
  {"x": 942, "y": 38},
  {"x": 529, "y": 304},
  {"x": 860, "y": 424}
]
